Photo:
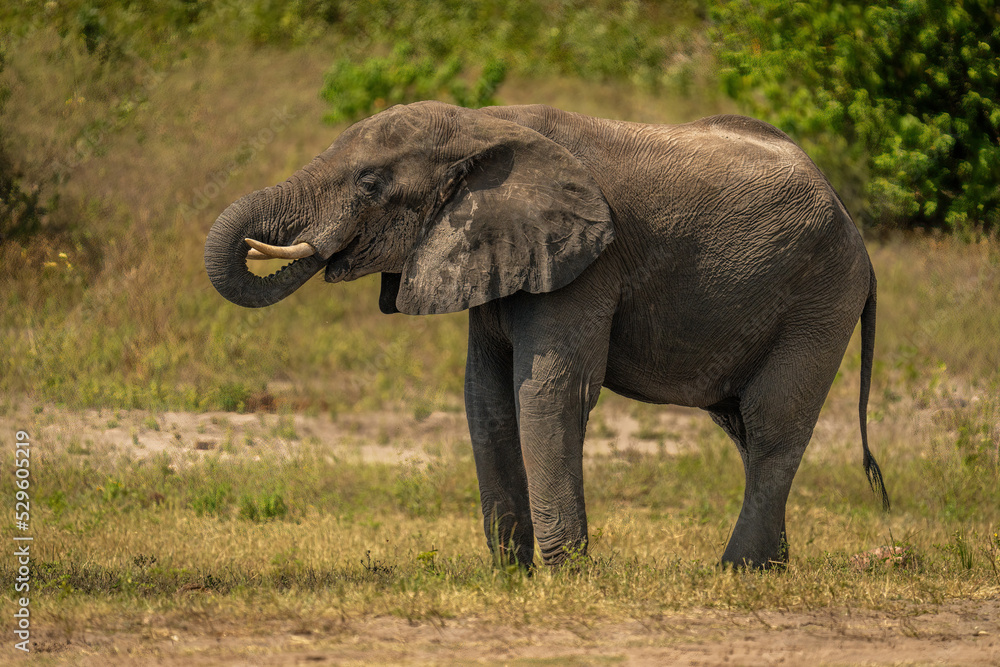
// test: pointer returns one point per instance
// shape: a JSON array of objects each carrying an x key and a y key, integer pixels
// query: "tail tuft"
[{"x": 874, "y": 474}]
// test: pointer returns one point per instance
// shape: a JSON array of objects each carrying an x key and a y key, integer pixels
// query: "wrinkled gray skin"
[{"x": 708, "y": 265}]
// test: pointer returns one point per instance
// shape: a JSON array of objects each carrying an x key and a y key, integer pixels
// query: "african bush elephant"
[{"x": 709, "y": 265}]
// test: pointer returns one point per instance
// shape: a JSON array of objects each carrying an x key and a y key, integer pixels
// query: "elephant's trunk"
[{"x": 267, "y": 216}]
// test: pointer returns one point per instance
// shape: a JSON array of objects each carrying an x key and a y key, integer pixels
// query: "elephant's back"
[
  {"x": 743, "y": 238},
  {"x": 744, "y": 126}
]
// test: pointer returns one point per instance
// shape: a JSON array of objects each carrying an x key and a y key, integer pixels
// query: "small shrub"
[
  {"x": 274, "y": 507},
  {"x": 271, "y": 506},
  {"x": 113, "y": 490},
  {"x": 249, "y": 510},
  {"x": 232, "y": 397},
  {"x": 354, "y": 90},
  {"x": 21, "y": 210},
  {"x": 377, "y": 570},
  {"x": 960, "y": 548},
  {"x": 56, "y": 501},
  {"x": 213, "y": 501}
]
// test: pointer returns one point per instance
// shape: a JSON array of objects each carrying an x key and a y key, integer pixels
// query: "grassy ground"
[
  {"x": 275, "y": 535},
  {"x": 274, "y": 539}
]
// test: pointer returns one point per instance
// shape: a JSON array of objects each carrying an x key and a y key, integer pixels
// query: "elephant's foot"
[
  {"x": 564, "y": 552},
  {"x": 756, "y": 555},
  {"x": 511, "y": 540}
]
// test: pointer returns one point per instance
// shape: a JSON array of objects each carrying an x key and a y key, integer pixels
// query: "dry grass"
[{"x": 123, "y": 541}]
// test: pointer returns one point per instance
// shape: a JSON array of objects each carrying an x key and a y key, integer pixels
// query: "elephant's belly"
[
  {"x": 696, "y": 363},
  {"x": 675, "y": 387}
]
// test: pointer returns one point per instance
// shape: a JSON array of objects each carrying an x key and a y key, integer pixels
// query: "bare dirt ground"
[
  {"x": 955, "y": 634},
  {"x": 383, "y": 437}
]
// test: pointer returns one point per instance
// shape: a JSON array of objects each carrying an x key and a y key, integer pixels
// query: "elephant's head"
[{"x": 455, "y": 207}]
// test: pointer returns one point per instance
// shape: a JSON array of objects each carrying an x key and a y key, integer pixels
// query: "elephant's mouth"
[
  {"x": 340, "y": 264},
  {"x": 311, "y": 262}
]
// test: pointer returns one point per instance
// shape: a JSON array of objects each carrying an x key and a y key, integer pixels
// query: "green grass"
[{"x": 278, "y": 533}]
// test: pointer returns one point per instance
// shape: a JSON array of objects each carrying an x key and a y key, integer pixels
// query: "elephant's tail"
[{"x": 872, "y": 470}]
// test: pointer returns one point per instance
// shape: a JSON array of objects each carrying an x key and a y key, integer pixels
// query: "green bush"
[
  {"x": 904, "y": 91},
  {"x": 232, "y": 397},
  {"x": 264, "y": 508},
  {"x": 438, "y": 46},
  {"x": 213, "y": 500},
  {"x": 355, "y": 90}
]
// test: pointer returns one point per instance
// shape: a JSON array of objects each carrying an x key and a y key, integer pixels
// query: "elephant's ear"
[{"x": 522, "y": 213}]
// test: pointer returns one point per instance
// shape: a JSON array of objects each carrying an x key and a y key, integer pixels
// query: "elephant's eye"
[{"x": 370, "y": 183}]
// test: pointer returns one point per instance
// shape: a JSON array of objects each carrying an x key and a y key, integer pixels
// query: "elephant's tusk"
[{"x": 265, "y": 251}]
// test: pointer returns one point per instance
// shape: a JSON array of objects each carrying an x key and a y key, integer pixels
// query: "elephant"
[{"x": 708, "y": 264}]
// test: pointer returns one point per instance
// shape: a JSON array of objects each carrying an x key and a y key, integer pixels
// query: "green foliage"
[
  {"x": 111, "y": 30},
  {"x": 600, "y": 42},
  {"x": 436, "y": 47},
  {"x": 264, "y": 508},
  {"x": 908, "y": 91},
  {"x": 212, "y": 499},
  {"x": 355, "y": 90},
  {"x": 232, "y": 397},
  {"x": 282, "y": 22}
]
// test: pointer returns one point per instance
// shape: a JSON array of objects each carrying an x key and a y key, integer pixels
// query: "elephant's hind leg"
[
  {"x": 771, "y": 426},
  {"x": 727, "y": 415},
  {"x": 490, "y": 407}
]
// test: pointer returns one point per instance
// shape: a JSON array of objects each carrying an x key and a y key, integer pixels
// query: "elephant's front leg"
[
  {"x": 559, "y": 374},
  {"x": 490, "y": 407}
]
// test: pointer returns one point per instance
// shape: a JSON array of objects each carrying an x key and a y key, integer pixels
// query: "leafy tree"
[{"x": 906, "y": 91}]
